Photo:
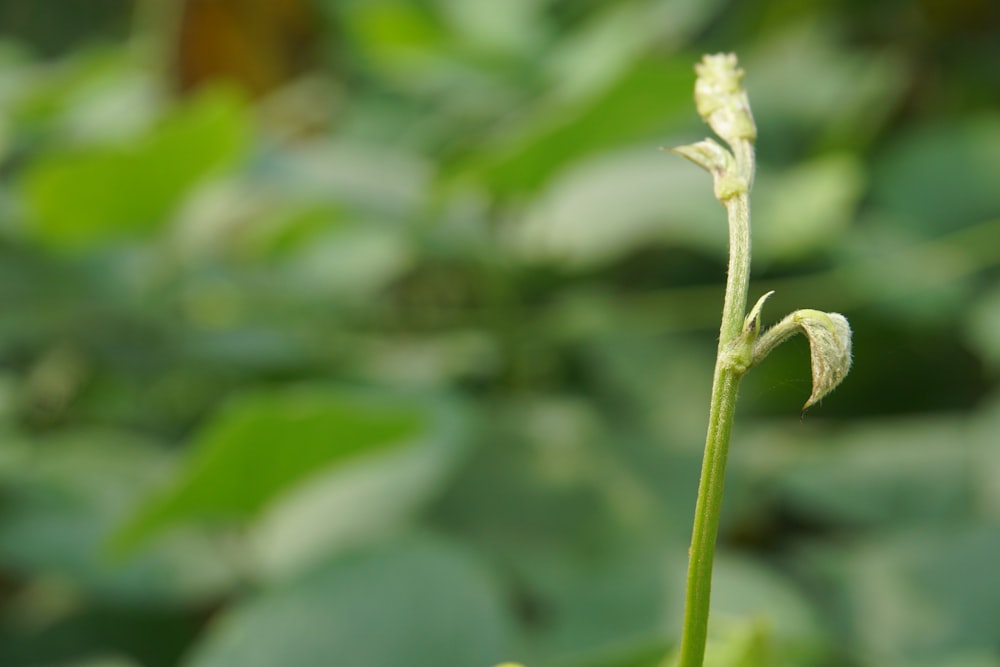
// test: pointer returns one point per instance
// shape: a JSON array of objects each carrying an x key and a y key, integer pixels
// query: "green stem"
[
  {"x": 706, "y": 523},
  {"x": 722, "y": 103},
  {"x": 720, "y": 423},
  {"x": 738, "y": 276}
]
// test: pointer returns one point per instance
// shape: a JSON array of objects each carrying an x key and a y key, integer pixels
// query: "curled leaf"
[
  {"x": 829, "y": 337},
  {"x": 707, "y": 154},
  {"x": 717, "y": 161}
]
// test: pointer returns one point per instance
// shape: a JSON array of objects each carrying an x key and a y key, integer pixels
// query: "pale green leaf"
[
  {"x": 418, "y": 603},
  {"x": 81, "y": 197},
  {"x": 263, "y": 443}
]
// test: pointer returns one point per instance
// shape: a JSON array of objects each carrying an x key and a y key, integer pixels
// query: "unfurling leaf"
[
  {"x": 707, "y": 154},
  {"x": 829, "y": 337},
  {"x": 717, "y": 161}
]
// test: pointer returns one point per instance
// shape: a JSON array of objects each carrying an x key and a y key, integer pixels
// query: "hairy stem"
[
  {"x": 738, "y": 276},
  {"x": 722, "y": 103},
  {"x": 720, "y": 422}
]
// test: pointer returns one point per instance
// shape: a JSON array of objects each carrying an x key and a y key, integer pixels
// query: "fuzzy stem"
[
  {"x": 720, "y": 423},
  {"x": 722, "y": 103},
  {"x": 738, "y": 276}
]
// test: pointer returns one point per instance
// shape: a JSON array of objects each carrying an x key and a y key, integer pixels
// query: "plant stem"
[
  {"x": 722, "y": 103},
  {"x": 738, "y": 275},
  {"x": 720, "y": 422}
]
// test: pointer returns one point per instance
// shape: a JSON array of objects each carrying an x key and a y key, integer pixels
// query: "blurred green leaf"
[
  {"x": 615, "y": 203},
  {"x": 81, "y": 197},
  {"x": 779, "y": 614},
  {"x": 915, "y": 596},
  {"x": 350, "y": 264},
  {"x": 515, "y": 27},
  {"x": 320, "y": 516},
  {"x": 419, "y": 603},
  {"x": 912, "y": 471},
  {"x": 265, "y": 442},
  {"x": 99, "y": 94},
  {"x": 807, "y": 73},
  {"x": 377, "y": 180},
  {"x": 611, "y": 608},
  {"x": 942, "y": 177},
  {"x": 805, "y": 209},
  {"x": 403, "y": 40},
  {"x": 63, "y": 498},
  {"x": 651, "y": 95},
  {"x": 745, "y": 645}
]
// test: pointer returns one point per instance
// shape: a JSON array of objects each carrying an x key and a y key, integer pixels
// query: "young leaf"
[
  {"x": 721, "y": 99},
  {"x": 829, "y": 337},
  {"x": 720, "y": 163}
]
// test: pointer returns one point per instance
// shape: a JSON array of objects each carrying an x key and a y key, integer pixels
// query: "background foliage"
[{"x": 376, "y": 333}]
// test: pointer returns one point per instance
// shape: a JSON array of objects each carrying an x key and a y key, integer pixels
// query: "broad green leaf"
[
  {"x": 349, "y": 264},
  {"x": 610, "y": 608},
  {"x": 746, "y": 644},
  {"x": 320, "y": 516},
  {"x": 594, "y": 56},
  {"x": 617, "y": 202},
  {"x": 653, "y": 94},
  {"x": 883, "y": 473},
  {"x": 263, "y": 443},
  {"x": 804, "y": 210},
  {"x": 747, "y": 597},
  {"x": 912, "y": 597},
  {"x": 64, "y": 496},
  {"x": 943, "y": 177},
  {"x": 401, "y": 39},
  {"x": 98, "y": 94},
  {"x": 515, "y": 27},
  {"x": 379, "y": 180},
  {"x": 418, "y": 603},
  {"x": 78, "y": 198},
  {"x": 805, "y": 74}
]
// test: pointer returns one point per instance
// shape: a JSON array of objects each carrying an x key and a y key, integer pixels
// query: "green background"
[{"x": 406, "y": 362}]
